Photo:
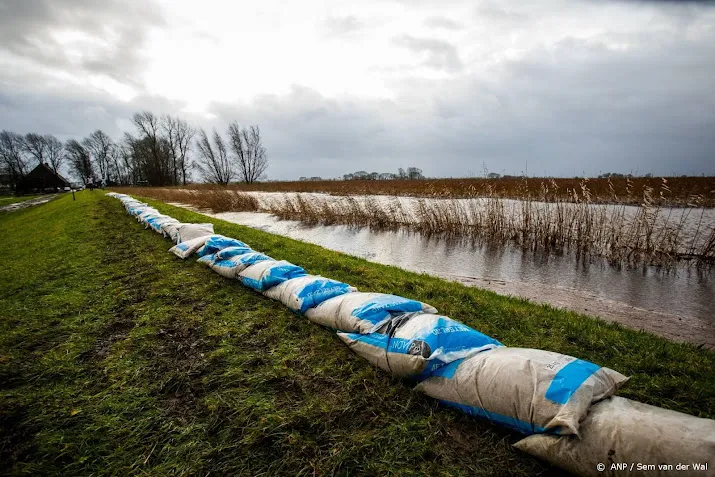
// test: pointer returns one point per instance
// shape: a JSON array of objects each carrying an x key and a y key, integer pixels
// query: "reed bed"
[
  {"x": 623, "y": 234},
  {"x": 214, "y": 199},
  {"x": 627, "y": 190},
  {"x": 647, "y": 233}
]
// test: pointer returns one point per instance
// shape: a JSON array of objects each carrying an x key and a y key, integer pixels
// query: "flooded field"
[
  {"x": 624, "y": 235},
  {"x": 678, "y": 305},
  {"x": 27, "y": 203}
]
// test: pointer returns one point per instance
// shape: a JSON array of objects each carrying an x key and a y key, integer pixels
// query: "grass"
[
  {"x": 15, "y": 199},
  {"x": 117, "y": 358}
]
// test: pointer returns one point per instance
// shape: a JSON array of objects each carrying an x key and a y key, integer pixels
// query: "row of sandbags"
[{"x": 564, "y": 404}]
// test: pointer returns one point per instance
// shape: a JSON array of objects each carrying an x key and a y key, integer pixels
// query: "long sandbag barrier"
[{"x": 564, "y": 405}]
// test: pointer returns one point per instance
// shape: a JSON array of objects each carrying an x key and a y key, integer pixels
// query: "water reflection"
[{"x": 680, "y": 302}]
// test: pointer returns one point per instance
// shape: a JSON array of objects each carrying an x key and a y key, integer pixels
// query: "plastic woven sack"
[
  {"x": 363, "y": 312},
  {"x": 219, "y": 242},
  {"x": 191, "y": 231},
  {"x": 417, "y": 344},
  {"x": 229, "y": 252},
  {"x": 300, "y": 294},
  {"x": 170, "y": 230},
  {"x": 184, "y": 249},
  {"x": 630, "y": 438},
  {"x": 267, "y": 274},
  {"x": 231, "y": 267},
  {"x": 529, "y": 390}
]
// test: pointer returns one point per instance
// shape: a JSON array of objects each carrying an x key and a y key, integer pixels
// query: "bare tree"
[
  {"x": 179, "y": 134},
  {"x": 35, "y": 145},
  {"x": 414, "y": 173},
  {"x": 55, "y": 152},
  {"x": 155, "y": 149},
  {"x": 13, "y": 162},
  {"x": 80, "y": 161},
  {"x": 250, "y": 155},
  {"x": 100, "y": 146},
  {"x": 213, "y": 160},
  {"x": 119, "y": 164}
]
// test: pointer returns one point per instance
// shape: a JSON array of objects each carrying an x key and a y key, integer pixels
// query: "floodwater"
[
  {"x": 690, "y": 226},
  {"x": 679, "y": 305},
  {"x": 27, "y": 203}
]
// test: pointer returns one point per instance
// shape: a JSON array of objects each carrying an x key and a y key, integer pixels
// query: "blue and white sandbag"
[
  {"x": 230, "y": 267},
  {"x": 156, "y": 222},
  {"x": 528, "y": 390},
  {"x": 186, "y": 232},
  {"x": 147, "y": 213},
  {"x": 264, "y": 275},
  {"x": 218, "y": 242},
  {"x": 162, "y": 226},
  {"x": 619, "y": 431},
  {"x": 230, "y": 252},
  {"x": 224, "y": 254},
  {"x": 186, "y": 248},
  {"x": 417, "y": 344},
  {"x": 207, "y": 260},
  {"x": 136, "y": 209},
  {"x": 302, "y": 293},
  {"x": 170, "y": 229},
  {"x": 363, "y": 312}
]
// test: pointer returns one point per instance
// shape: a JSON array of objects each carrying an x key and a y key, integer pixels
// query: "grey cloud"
[
  {"x": 336, "y": 26},
  {"x": 495, "y": 12},
  {"x": 588, "y": 110},
  {"x": 27, "y": 28},
  {"x": 579, "y": 106},
  {"x": 442, "y": 22},
  {"x": 438, "y": 54}
]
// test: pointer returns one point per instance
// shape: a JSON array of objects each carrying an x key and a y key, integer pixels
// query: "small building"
[{"x": 42, "y": 178}]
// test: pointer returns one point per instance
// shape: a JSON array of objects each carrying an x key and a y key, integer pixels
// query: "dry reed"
[
  {"x": 623, "y": 234},
  {"x": 602, "y": 190}
]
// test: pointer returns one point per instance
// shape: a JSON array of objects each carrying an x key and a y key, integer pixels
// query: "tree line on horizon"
[{"x": 163, "y": 151}]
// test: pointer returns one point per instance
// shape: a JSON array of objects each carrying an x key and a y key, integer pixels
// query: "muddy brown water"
[{"x": 678, "y": 305}]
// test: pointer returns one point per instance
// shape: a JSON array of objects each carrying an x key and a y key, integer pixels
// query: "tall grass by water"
[
  {"x": 624, "y": 234},
  {"x": 628, "y": 190}
]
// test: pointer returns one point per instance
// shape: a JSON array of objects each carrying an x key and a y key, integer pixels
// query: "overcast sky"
[{"x": 561, "y": 87}]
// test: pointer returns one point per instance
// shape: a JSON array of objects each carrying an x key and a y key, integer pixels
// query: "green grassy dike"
[
  {"x": 117, "y": 358},
  {"x": 15, "y": 199}
]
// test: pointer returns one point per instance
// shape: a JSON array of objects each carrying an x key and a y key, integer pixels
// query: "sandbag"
[
  {"x": 156, "y": 222},
  {"x": 159, "y": 225},
  {"x": 231, "y": 267},
  {"x": 191, "y": 231},
  {"x": 416, "y": 344},
  {"x": 186, "y": 248},
  {"x": 223, "y": 254},
  {"x": 302, "y": 293},
  {"x": 229, "y": 252},
  {"x": 629, "y": 438},
  {"x": 207, "y": 260},
  {"x": 135, "y": 210},
  {"x": 218, "y": 242},
  {"x": 528, "y": 390},
  {"x": 363, "y": 312},
  {"x": 266, "y": 274},
  {"x": 147, "y": 213},
  {"x": 171, "y": 230}
]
